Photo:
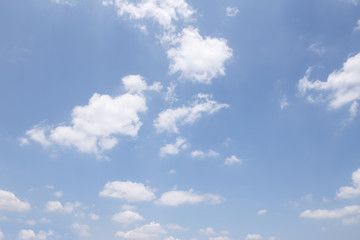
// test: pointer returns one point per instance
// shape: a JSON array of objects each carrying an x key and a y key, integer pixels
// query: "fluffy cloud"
[
  {"x": 170, "y": 119},
  {"x": 262, "y": 212},
  {"x": 130, "y": 191},
  {"x": 127, "y": 217},
  {"x": 81, "y": 230},
  {"x": 176, "y": 198},
  {"x": 254, "y": 237},
  {"x": 164, "y": 12},
  {"x": 196, "y": 58},
  {"x": 28, "y": 234},
  {"x": 56, "y": 206},
  {"x": 9, "y": 202},
  {"x": 173, "y": 149},
  {"x": 201, "y": 154},
  {"x": 232, "y": 11},
  {"x": 328, "y": 214},
  {"x": 341, "y": 88},
  {"x": 232, "y": 160},
  {"x": 351, "y": 192},
  {"x": 151, "y": 231},
  {"x": 95, "y": 125}
]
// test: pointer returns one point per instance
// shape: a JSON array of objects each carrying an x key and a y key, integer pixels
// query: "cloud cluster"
[
  {"x": 28, "y": 234},
  {"x": 170, "y": 119},
  {"x": 202, "y": 154},
  {"x": 351, "y": 192},
  {"x": 94, "y": 127},
  {"x": 341, "y": 88},
  {"x": 9, "y": 202},
  {"x": 173, "y": 149}
]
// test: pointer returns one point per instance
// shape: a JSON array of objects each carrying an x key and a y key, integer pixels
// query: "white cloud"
[
  {"x": 357, "y": 27},
  {"x": 201, "y": 154},
  {"x": 173, "y": 149},
  {"x": 262, "y": 212},
  {"x": 170, "y": 119},
  {"x": 233, "y": 160},
  {"x": 81, "y": 230},
  {"x": 175, "y": 227},
  {"x": 151, "y": 231},
  {"x": 284, "y": 102},
  {"x": 198, "y": 59},
  {"x": 176, "y": 198},
  {"x": 219, "y": 238},
  {"x": 93, "y": 216},
  {"x": 164, "y": 12},
  {"x": 353, "y": 110},
  {"x": 254, "y": 237},
  {"x": 128, "y": 207},
  {"x": 341, "y": 88},
  {"x": 28, "y": 234},
  {"x": 9, "y": 202},
  {"x": 127, "y": 217},
  {"x": 56, "y": 206},
  {"x": 329, "y": 214},
  {"x": 65, "y": 2},
  {"x": 317, "y": 48},
  {"x": 351, "y": 192},
  {"x": 172, "y": 171},
  {"x": 232, "y": 11},
  {"x": 207, "y": 231},
  {"x": 58, "y": 194},
  {"x": 171, "y": 238},
  {"x": 94, "y": 126},
  {"x": 1, "y": 235},
  {"x": 130, "y": 191}
]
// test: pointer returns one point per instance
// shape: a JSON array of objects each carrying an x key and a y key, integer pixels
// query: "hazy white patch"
[
  {"x": 233, "y": 160},
  {"x": 170, "y": 119},
  {"x": 262, "y": 212},
  {"x": 58, "y": 194},
  {"x": 284, "y": 102},
  {"x": 174, "y": 149},
  {"x": 201, "y": 154},
  {"x": 128, "y": 207},
  {"x": 9, "y": 202},
  {"x": 81, "y": 230},
  {"x": 151, "y": 231},
  {"x": 130, "y": 191},
  {"x": 232, "y": 11},
  {"x": 28, "y": 234},
  {"x": 176, "y": 198},
  {"x": 353, "y": 191},
  {"x": 65, "y": 2},
  {"x": 23, "y": 141},
  {"x": 208, "y": 231},
  {"x": 93, "y": 216},
  {"x": 175, "y": 227},
  {"x": 172, "y": 171},
  {"x": 196, "y": 58},
  {"x": 254, "y": 237},
  {"x": 317, "y": 48},
  {"x": 56, "y": 206},
  {"x": 357, "y": 27}
]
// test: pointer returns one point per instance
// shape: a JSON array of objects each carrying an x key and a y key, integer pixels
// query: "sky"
[{"x": 179, "y": 119}]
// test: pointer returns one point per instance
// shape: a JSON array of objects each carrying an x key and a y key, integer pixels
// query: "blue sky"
[{"x": 179, "y": 119}]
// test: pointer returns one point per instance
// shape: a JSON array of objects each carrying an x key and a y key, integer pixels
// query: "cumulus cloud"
[
  {"x": 202, "y": 154},
  {"x": 196, "y": 58},
  {"x": 330, "y": 214},
  {"x": 95, "y": 126},
  {"x": 254, "y": 237},
  {"x": 81, "y": 230},
  {"x": 28, "y": 234},
  {"x": 176, "y": 198},
  {"x": 130, "y": 191},
  {"x": 56, "y": 206},
  {"x": 151, "y": 231},
  {"x": 173, "y": 149},
  {"x": 353, "y": 191},
  {"x": 170, "y": 119},
  {"x": 232, "y": 11},
  {"x": 127, "y": 217},
  {"x": 232, "y": 160},
  {"x": 163, "y": 12},
  {"x": 341, "y": 88},
  {"x": 9, "y": 202}
]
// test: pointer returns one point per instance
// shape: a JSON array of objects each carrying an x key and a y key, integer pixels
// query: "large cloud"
[
  {"x": 351, "y": 192},
  {"x": 196, "y": 58},
  {"x": 9, "y": 202},
  {"x": 176, "y": 198},
  {"x": 130, "y": 191},
  {"x": 341, "y": 88},
  {"x": 28, "y": 234},
  {"x": 169, "y": 119},
  {"x": 329, "y": 214},
  {"x": 151, "y": 231},
  {"x": 164, "y": 12},
  {"x": 94, "y": 127}
]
